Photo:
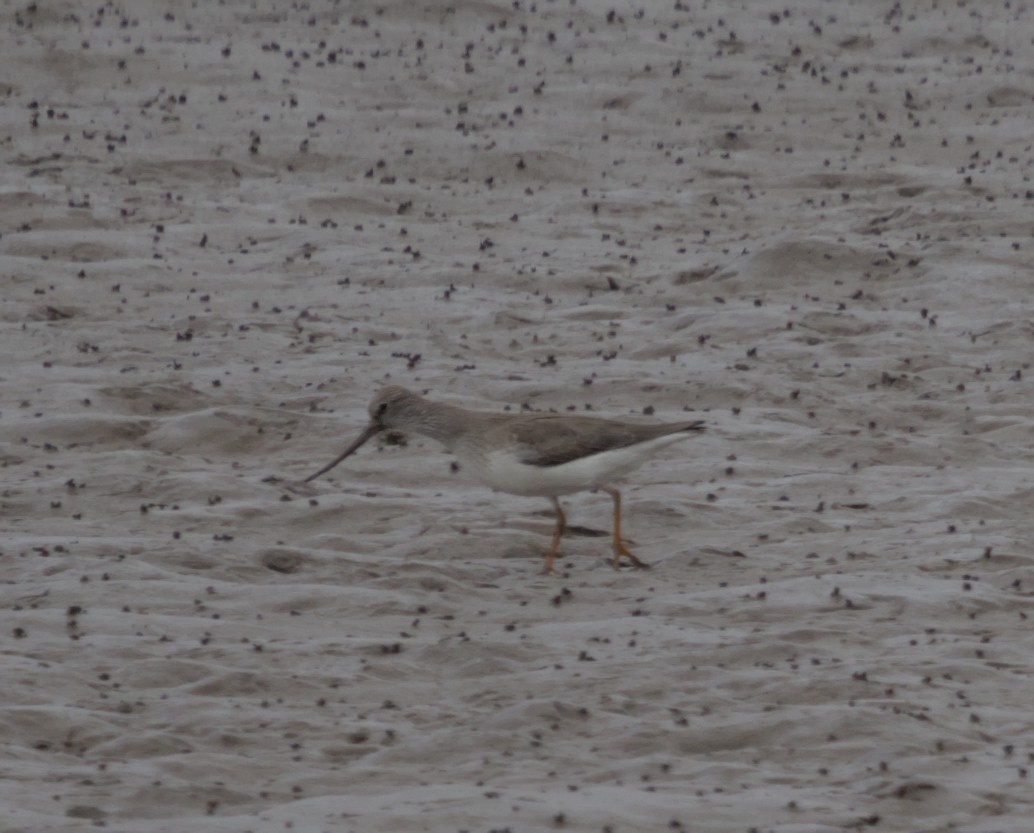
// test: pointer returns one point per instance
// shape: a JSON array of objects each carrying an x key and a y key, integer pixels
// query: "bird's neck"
[{"x": 445, "y": 423}]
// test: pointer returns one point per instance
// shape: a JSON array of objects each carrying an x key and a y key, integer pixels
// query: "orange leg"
[
  {"x": 619, "y": 548},
  {"x": 561, "y": 522}
]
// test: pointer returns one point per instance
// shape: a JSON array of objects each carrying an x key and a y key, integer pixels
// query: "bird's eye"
[{"x": 382, "y": 408}]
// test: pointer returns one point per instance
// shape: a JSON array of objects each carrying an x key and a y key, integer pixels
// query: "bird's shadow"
[{"x": 585, "y": 531}]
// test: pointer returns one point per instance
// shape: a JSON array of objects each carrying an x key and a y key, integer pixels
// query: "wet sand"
[{"x": 223, "y": 227}]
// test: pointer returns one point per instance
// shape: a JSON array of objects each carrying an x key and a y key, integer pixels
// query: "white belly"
[{"x": 501, "y": 471}]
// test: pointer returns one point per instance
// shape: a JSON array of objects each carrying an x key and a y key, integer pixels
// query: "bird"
[{"x": 529, "y": 454}]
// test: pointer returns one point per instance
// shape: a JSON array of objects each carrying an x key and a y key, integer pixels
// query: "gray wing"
[{"x": 554, "y": 440}]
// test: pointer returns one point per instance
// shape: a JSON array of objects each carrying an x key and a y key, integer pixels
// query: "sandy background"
[{"x": 223, "y": 226}]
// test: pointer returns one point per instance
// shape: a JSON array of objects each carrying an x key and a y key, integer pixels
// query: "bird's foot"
[
  {"x": 621, "y": 550},
  {"x": 548, "y": 568}
]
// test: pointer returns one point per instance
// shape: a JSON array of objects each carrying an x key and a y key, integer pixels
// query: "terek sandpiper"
[{"x": 536, "y": 455}]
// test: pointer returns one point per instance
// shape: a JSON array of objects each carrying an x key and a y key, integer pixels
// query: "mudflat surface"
[{"x": 224, "y": 226}]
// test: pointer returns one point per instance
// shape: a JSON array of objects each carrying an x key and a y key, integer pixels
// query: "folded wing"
[{"x": 555, "y": 440}]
